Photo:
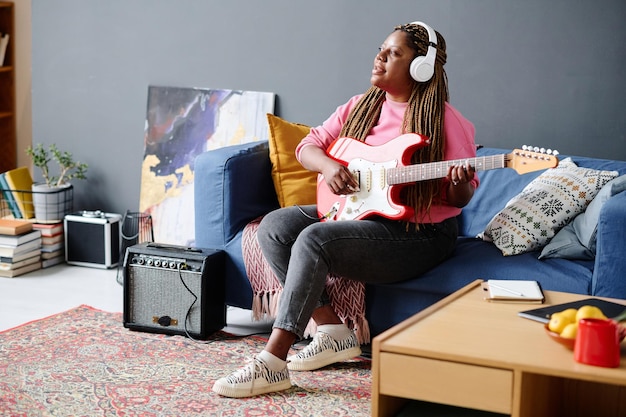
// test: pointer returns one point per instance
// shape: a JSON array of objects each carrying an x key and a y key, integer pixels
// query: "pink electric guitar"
[{"x": 382, "y": 171}]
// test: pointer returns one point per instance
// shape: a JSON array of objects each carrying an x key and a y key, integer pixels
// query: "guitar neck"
[{"x": 434, "y": 170}]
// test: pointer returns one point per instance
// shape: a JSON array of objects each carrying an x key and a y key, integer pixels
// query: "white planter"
[{"x": 52, "y": 203}]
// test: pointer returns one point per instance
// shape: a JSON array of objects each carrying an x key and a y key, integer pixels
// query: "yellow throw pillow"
[{"x": 293, "y": 183}]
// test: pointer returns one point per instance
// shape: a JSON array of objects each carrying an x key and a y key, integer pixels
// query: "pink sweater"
[{"x": 459, "y": 134}]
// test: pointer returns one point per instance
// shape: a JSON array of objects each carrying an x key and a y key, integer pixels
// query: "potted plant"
[{"x": 53, "y": 199}]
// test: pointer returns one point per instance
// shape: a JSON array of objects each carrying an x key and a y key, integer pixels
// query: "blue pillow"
[
  {"x": 586, "y": 224},
  {"x": 577, "y": 240},
  {"x": 565, "y": 244}
]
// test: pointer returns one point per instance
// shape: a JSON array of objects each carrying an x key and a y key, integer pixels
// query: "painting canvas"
[{"x": 181, "y": 123}]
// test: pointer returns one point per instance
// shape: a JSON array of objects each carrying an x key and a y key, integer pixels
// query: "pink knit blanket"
[{"x": 347, "y": 296}]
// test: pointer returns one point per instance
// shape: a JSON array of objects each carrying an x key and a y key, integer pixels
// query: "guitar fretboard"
[{"x": 433, "y": 170}]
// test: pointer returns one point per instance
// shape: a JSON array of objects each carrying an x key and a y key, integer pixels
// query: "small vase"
[{"x": 52, "y": 203}]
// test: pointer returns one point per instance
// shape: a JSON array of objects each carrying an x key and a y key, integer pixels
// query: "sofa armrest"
[
  {"x": 609, "y": 273},
  {"x": 232, "y": 185}
]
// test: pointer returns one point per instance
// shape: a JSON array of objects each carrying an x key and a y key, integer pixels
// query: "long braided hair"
[{"x": 424, "y": 115}]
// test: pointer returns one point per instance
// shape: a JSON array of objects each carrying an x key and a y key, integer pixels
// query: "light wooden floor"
[{"x": 53, "y": 290}]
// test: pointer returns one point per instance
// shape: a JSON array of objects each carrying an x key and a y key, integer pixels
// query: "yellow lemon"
[
  {"x": 569, "y": 332},
  {"x": 589, "y": 312},
  {"x": 558, "y": 322},
  {"x": 570, "y": 313}
]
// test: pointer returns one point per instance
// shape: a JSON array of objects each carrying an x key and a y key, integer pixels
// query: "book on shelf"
[
  {"x": 21, "y": 256},
  {"x": 7, "y": 195},
  {"x": 49, "y": 229},
  {"x": 14, "y": 227},
  {"x": 7, "y": 266},
  {"x": 17, "y": 240},
  {"x": 20, "y": 271},
  {"x": 20, "y": 185},
  {"x": 46, "y": 263},
  {"x": 9, "y": 251},
  {"x": 513, "y": 291},
  {"x": 4, "y": 44}
]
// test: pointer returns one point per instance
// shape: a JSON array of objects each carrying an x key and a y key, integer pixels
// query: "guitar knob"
[{"x": 353, "y": 198}]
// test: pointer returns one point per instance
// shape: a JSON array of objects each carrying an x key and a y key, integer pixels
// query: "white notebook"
[{"x": 526, "y": 291}]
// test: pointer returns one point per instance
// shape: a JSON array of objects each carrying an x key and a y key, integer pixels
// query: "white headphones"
[{"x": 423, "y": 67}]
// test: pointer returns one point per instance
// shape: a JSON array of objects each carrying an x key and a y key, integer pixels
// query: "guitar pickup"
[{"x": 356, "y": 174}]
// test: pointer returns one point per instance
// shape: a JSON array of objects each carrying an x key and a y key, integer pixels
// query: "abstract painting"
[{"x": 181, "y": 123}]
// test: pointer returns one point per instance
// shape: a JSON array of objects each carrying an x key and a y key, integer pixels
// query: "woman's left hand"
[
  {"x": 460, "y": 174},
  {"x": 460, "y": 191}
]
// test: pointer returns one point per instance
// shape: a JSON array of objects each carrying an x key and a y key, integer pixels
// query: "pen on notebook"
[{"x": 519, "y": 294}]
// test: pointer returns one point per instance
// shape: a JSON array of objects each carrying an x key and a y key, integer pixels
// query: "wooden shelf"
[{"x": 8, "y": 139}]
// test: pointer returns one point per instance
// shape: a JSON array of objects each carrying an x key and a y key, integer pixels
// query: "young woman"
[{"x": 409, "y": 94}]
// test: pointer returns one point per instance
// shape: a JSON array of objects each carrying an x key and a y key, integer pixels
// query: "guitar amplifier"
[{"x": 174, "y": 290}]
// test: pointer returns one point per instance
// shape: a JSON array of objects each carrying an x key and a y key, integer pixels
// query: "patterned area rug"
[{"x": 83, "y": 362}]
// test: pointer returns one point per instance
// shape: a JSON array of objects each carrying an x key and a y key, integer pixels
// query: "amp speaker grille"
[{"x": 174, "y": 291}]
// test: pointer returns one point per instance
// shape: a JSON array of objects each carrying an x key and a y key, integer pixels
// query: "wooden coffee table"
[{"x": 467, "y": 352}]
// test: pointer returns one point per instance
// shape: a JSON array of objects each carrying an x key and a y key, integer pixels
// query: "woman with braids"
[{"x": 302, "y": 250}]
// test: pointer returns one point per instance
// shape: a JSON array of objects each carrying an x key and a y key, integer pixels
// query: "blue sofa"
[{"x": 233, "y": 185}]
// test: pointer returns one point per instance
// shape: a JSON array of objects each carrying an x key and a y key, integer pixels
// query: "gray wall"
[{"x": 542, "y": 72}]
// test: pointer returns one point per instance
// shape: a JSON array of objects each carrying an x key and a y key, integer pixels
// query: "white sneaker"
[
  {"x": 253, "y": 379},
  {"x": 322, "y": 351}
]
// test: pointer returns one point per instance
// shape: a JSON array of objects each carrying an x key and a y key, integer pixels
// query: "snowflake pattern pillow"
[{"x": 531, "y": 218}]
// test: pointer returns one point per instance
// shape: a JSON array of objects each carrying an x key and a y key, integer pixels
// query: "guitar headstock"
[{"x": 529, "y": 159}]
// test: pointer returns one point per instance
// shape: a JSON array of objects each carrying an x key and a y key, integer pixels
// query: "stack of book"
[
  {"x": 20, "y": 248},
  {"x": 52, "y": 243}
]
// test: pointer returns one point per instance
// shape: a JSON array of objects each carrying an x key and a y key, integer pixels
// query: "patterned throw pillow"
[
  {"x": 530, "y": 219},
  {"x": 577, "y": 240}
]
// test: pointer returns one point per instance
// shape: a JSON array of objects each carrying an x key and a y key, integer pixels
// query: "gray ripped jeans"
[{"x": 301, "y": 251}]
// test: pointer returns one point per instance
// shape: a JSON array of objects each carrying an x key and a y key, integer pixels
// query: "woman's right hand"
[{"x": 337, "y": 176}]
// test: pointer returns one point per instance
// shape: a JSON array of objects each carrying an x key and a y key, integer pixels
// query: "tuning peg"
[
  {"x": 555, "y": 152},
  {"x": 525, "y": 147},
  {"x": 542, "y": 150}
]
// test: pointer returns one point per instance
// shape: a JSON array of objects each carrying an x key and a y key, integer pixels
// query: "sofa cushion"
[
  {"x": 294, "y": 184},
  {"x": 531, "y": 218},
  {"x": 577, "y": 240},
  {"x": 388, "y": 304}
]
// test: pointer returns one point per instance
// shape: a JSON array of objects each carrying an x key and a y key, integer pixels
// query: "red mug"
[{"x": 597, "y": 343}]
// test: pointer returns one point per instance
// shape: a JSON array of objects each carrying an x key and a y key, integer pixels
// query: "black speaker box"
[{"x": 174, "y": 290}]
